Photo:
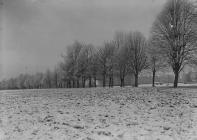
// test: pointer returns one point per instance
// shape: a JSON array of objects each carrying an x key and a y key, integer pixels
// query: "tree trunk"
[
  {"x": 94, "y": 81},
  {"x": 56, "y": 85},
  {"x": 90, "y": 81},
  {"x": 77, "y": 83},
  {"x": 73, "y": 83},
  {"x": 136, "y": 80},
  {"x": 83, "y": 82},
  {"x": 176, "y": 79},
  {"x": 153, "y": 82},
  {"x": 68, "y": 84},
  {"x": 110, "y": 81},
  {"x": 122, "y": 82},
  {"x": 103, "y": 80}
]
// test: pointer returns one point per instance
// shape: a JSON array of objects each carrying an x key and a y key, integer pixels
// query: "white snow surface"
[{"x": 99, "y": 114}]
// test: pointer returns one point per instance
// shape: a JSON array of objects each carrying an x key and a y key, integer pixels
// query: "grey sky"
[{"x": 35, "y": 32}]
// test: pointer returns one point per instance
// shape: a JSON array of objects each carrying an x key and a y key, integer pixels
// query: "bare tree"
[
  {"x": 121, "y": 56},
  {"x": 156, "y": 61},
  {"x": 102, "y": 58},
  {"x": 94, "y": 66},
  {"x": 85, "y": 63},
  {"x": 37, "y": 80},
  {"x": 61, "y": 73},
  {"x": 110, "y": 49},
  {"x": 175, "y": 34},
  {"x": 48, "y": 78},
  {"x": 136, "y": 43},
  {"x": 67, "y": 73},
  {"x": 82, "y": 65},
  {"x": 75, "y": 51},
  {"x": 70, "y": 64},
  {"x": 103, "y": 54},
  {"x": 56, "y": 73}
]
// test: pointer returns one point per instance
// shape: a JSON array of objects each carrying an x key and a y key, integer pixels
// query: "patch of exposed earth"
[{"x": 99, "y": 114}]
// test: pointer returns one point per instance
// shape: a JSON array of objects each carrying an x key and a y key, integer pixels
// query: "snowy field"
[
  {"x": 170, "y": 85},
  {"x": 99, "y": 114}
]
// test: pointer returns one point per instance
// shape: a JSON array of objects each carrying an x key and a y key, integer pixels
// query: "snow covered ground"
[
  {"x": 99, "y": 114},
  {"x": 169, "y": 85}
]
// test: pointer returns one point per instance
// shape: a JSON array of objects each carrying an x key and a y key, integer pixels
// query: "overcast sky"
[{"x": 34, "y": 33}]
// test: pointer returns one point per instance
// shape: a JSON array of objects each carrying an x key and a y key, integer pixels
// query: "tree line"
[{"x": 172, "y": 43}]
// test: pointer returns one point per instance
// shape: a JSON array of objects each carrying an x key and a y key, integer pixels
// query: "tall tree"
[
  {"x": 121, "y": 56},
  {"x": 85, "y": 63},
  {"x": 95, "y": 67},
  {"x": 103, "y": 56},
  {"x": 76, "y": 49},
  {"x": 175, "y": 34},
  {"x": 111, "y": 51},
  {"x": 137, "y": 56},
  {"x": 71, "y": 65}
]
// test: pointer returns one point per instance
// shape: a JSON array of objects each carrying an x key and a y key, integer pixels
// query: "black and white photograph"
[{"x": 98, "y": 69}]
